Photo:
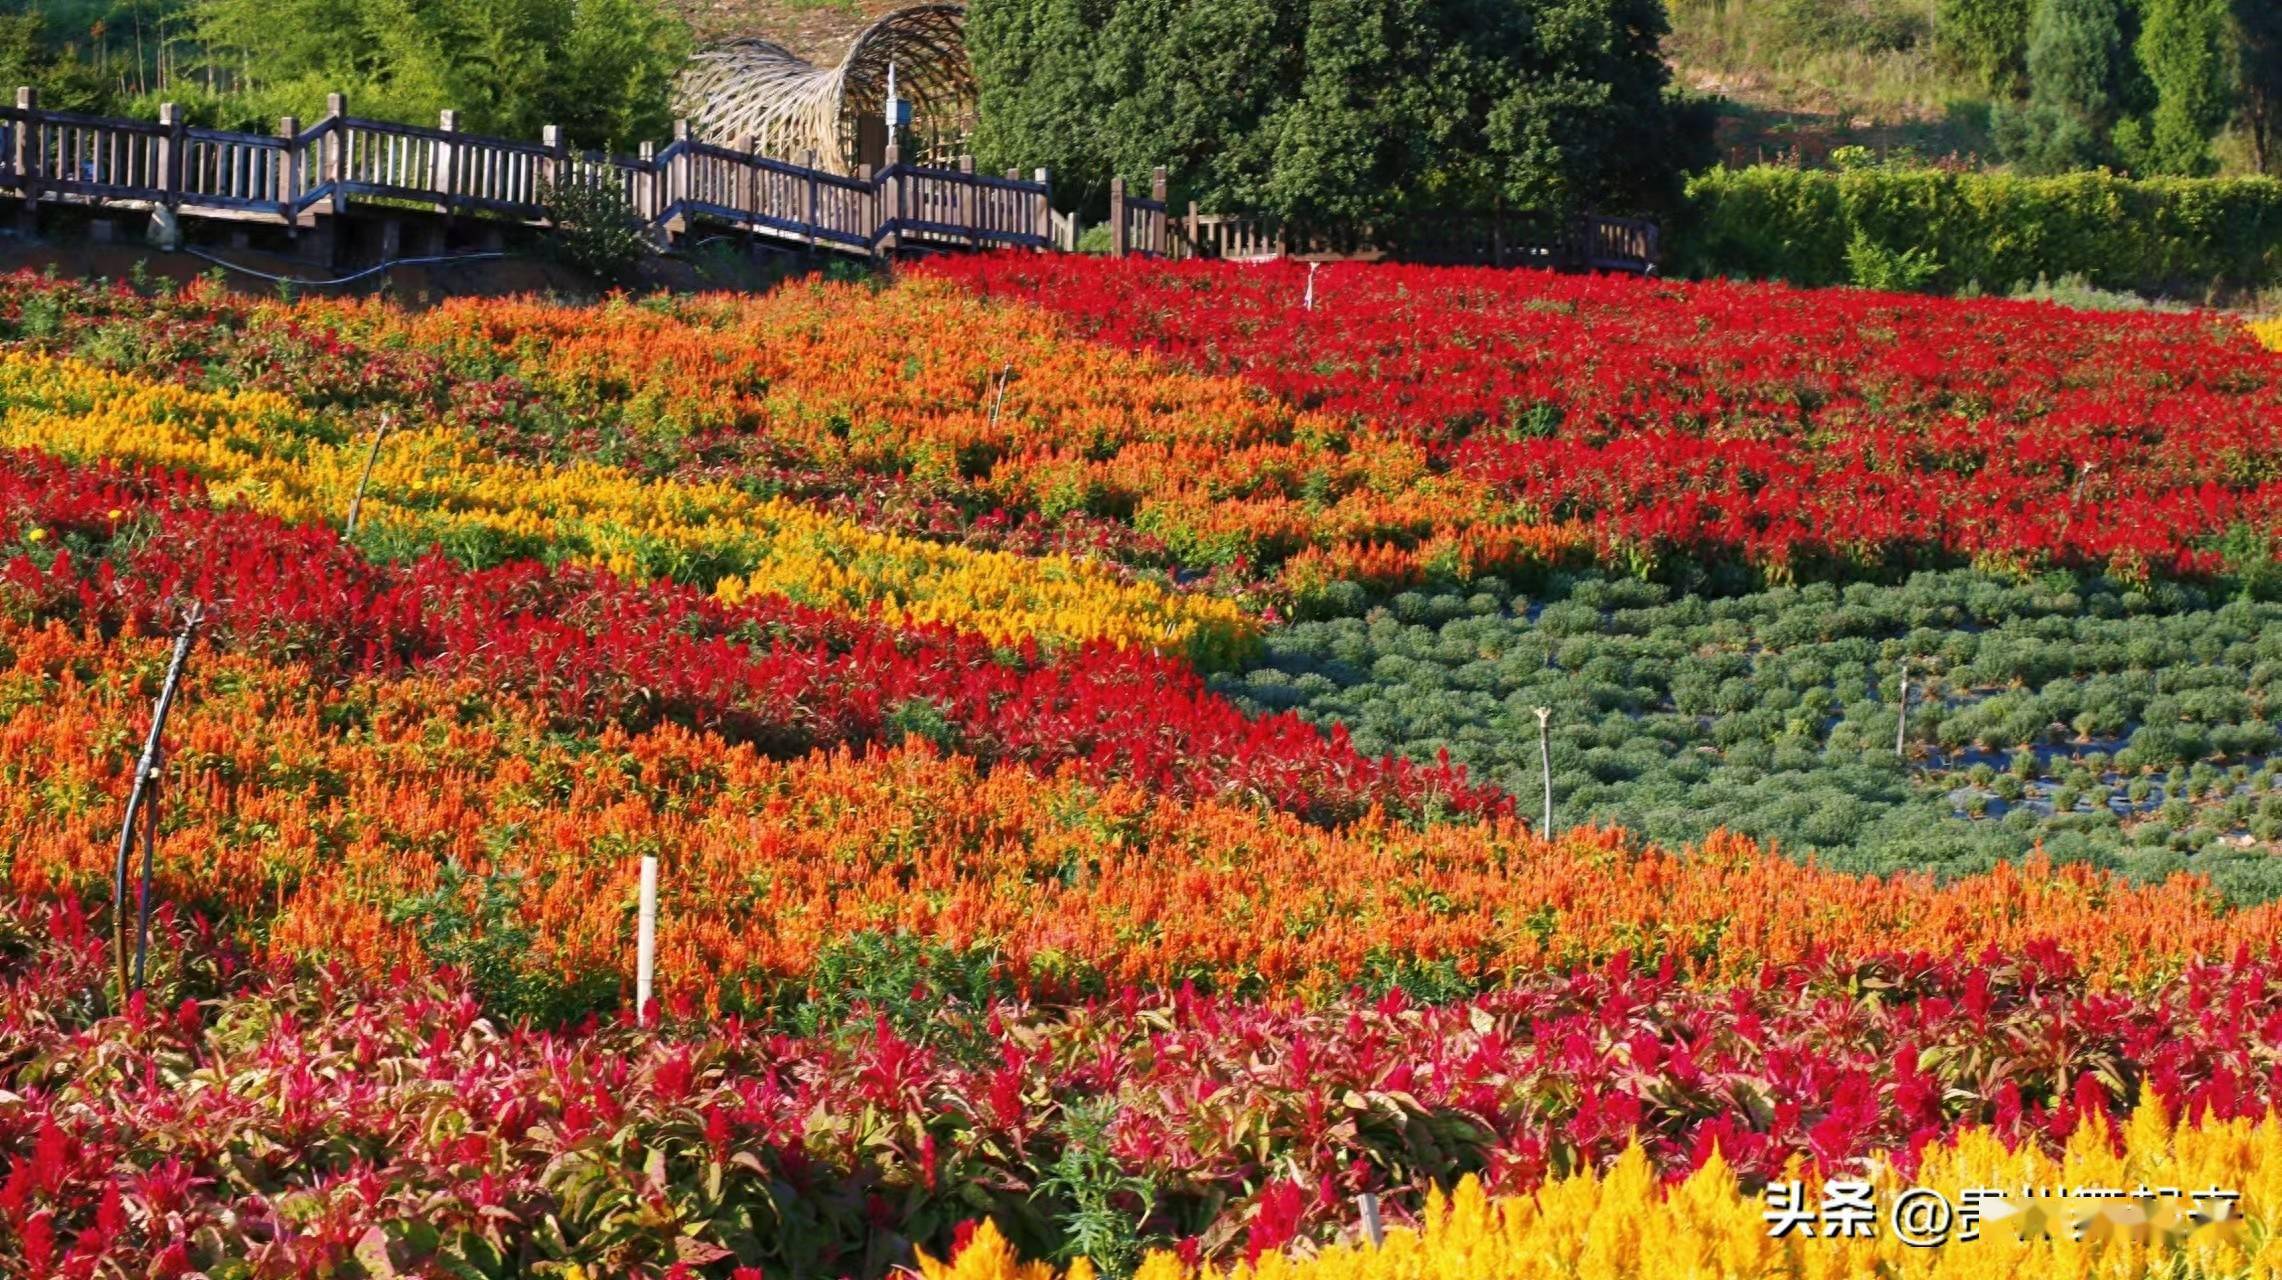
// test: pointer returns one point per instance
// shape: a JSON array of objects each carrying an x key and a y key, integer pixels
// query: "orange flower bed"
[{"x": 309, "y": 813}]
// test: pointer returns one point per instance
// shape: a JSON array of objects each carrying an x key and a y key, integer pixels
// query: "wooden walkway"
[
  {"x": 300, "y": 177},
  {"x": 304, "y": 178}
]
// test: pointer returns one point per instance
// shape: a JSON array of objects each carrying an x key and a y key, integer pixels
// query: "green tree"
[
  {"x": 1036, "y": 69},
  {"x": 602, "y": 69},
  {"x": 2187, "y": 49},
  {"x": 2258, "y": 35},
  {"x": 1336, "y": 113},
  {"x": 2075, "y": 72},
  {"x": 1986, "y": 37}
]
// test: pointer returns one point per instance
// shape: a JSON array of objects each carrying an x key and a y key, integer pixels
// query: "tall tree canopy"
[
  {"x": 2258, "y": 24},
  {"x": 602, "y": 69},
  {"x": 2189, "y": 48},
  {"x": 1337, "y": 112},
  {"x": 2078, "y": 74}
]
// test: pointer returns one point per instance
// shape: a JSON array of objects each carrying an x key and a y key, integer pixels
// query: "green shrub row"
[
  {"x": 2125, "y": 727},
  {"x": 1991, "y": 230}
]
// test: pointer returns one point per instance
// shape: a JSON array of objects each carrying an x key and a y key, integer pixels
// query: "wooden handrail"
[{"x": 285, "y": 175}]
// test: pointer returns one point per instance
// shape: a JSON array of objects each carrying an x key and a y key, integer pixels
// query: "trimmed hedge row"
[{"x": 1991, "y": 229}]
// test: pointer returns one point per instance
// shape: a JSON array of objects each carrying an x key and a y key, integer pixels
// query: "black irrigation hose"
[{"x": 351, "y": 277}]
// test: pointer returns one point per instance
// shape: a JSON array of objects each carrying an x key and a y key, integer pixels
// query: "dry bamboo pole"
[
  {"x": 372, "y": 455},
  {"x": 646, "y": 939}
]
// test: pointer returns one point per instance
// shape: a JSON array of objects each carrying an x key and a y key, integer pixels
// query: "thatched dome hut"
[{"x": 760, "y": 93}]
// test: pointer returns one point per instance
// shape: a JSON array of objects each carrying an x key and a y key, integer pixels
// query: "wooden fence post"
[
  {"x": 1195, "y": 229},
  {"x": 556, "y": 167},
  {"x": 891, "y": 199},
  {"x": 444, "y": 177},
  {"x": 967, "y": 192},
  {"x": 170, "y": 154},
  {"x": 815, "y": 198},
  {"x": 28, "y": 159},
  {"x": 1117, "y": 244},
  {"x": 646, "y": 185},
  {"x": 1160, "y": 218},
  {"x": 1045, "y": 230},
  {"x": 288, "y": 168},
  {"x": 678, "y": 166},
  {"x": 336, "y": 151},
  {"x": 748, "y": 198}
]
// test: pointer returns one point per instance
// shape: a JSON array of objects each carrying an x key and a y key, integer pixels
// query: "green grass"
[{"x": 1806, "y": 76}]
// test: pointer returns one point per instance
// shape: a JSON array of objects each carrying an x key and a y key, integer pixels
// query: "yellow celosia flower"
[
  {"x": 2268, "y": 333},
  {"x": 1624, "y": 1225}
]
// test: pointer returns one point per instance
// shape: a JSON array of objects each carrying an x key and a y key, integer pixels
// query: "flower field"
[{"x": 1086, "y": 715}]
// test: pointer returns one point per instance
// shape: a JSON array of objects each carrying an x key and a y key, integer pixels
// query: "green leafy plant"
[
  {"x": 1105, "y": 1202},
  {"x": 596, "y": 230},
  {"x": 470, "y": 922},
  {"x": 1873, "y": 266}
]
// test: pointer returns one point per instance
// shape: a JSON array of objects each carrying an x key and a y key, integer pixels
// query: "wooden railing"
[
  {"x": 299, "y": 175},
  {"x": 1147, "y": 226},
  {"x": 1139, "y": 225}
]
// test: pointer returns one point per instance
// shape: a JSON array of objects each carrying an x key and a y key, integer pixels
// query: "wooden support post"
[
  {"x": 288, "y": 170},
  {"x": 891, "y": 199},
  {"x": 28, "y": 159},
  {"x": 1195, "y": 227},
  {"x": 677, "y": 184},
  {"x": 815, "y": 198},
  {"x": 967, "y": 193},
  {"x": 646, "y": 202},
  {"x": 748, "y": 197},
  {"x": 336, "y": 151},
  {"x": 1160, "y": 233},
  {"x": 444, "y": 180},
  {"x": 1117, "y": 245},
  {"x": 555, "y": 169},
  {"x": 171, "y": 151},
  {"x": 1045, "y": 229}
]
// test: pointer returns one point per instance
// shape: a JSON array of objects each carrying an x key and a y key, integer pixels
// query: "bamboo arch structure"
[{"x": 756, "y": 92}]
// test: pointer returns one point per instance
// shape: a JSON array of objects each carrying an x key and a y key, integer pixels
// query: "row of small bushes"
[
  {"x": 1993, "y": 231},
  {"x": 2097, "y": 721}
]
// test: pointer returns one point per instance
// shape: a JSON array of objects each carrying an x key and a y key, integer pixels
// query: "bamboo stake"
[
  {"x": 1545, "y": 757},
  {"x": 1902, "y": 721},
  {"x": 372, "y": 455},
  {"x": 999, "y": 397},
  {"x": 646, "y": 940},
  {"x": 145, "y": 787}
]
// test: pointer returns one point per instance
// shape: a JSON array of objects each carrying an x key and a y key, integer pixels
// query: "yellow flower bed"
[
  {"x": 436, "y": 485},
  {"x": 1624, "y": 1224},
  {"x": 2268, "y": 333}
]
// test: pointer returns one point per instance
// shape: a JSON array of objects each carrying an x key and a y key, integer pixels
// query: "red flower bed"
[
  {"x": 291, "y": 1123},
  {"x": 1720, "y": 419},
  {"x": 600, "y": 649}
]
